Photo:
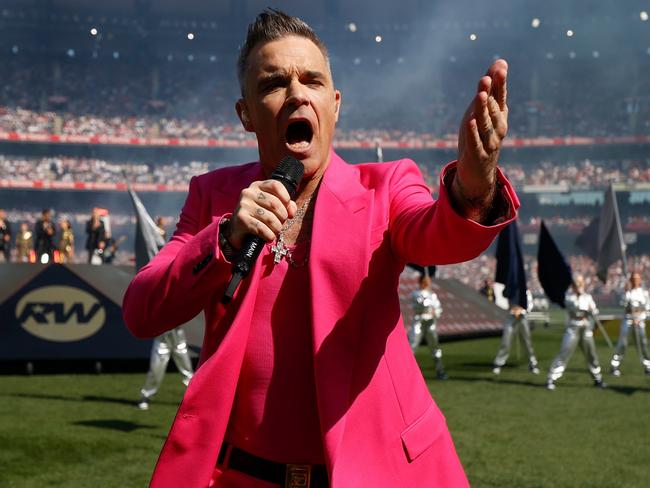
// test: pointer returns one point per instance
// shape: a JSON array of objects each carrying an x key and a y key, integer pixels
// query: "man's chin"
[
  {"x": 314, "y": 163},
  {"x": 313, "y": 159}
]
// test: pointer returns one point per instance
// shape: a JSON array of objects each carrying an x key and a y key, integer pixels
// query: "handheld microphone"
[{"x": 288, "y": 172}]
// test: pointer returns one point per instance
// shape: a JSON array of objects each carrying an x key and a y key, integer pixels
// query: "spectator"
[
  {"x": 24, "y": 244},
  {"x": 44, "y": 232},
  {"x": 96, "y": 233},
  {"x": 66, "y": 241},
  {"x": 487, "y": 289},
  {"x": 5, "y": 237}
]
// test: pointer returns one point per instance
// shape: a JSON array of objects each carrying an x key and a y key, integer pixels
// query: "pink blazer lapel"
[
  {"x": 338, "y": 264},
  {"x": 202, "y": 418}
]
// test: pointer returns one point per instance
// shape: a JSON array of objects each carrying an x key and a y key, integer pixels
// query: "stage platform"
[
  {"x": 73, "y": 312},
  {"x": 70, "y": 311}
]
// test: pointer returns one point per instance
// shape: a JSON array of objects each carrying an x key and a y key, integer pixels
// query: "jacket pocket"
[{"x": 423, "y": 432}]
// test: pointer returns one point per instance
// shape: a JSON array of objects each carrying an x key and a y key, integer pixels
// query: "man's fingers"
[
  {"x": 292, "y": 208},
  {"x": 268, "y": 222},
  {"x": 257, "y": 227},
  {"x": 474, "y": 142},
  {"x": 500, "y": 88},
  {"x": 498, "y": 73},
  {"x": 499, "y": 64},
  {"x": 483, "y": 121},
  {"x": 262, "y": 210},
  {"x": 268, "y": 201},
  {"x": 259, "y": 221},
  {"x": 499, "y": 120},
  {"x": 484, "y": 85},
  {"x": 275, "y": 188},
  {"x": 267, "y": 217}
]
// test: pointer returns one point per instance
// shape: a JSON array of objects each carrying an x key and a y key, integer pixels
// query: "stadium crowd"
[
  {"x": 575, "y": 175},
  {"x": 584, "y": 175},
  {"x": 72, "y": 169},
  {"x": 159, "y": 100}
]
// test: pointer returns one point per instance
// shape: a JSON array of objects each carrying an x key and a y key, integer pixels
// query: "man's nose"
[{"x": 297, "y": 94}]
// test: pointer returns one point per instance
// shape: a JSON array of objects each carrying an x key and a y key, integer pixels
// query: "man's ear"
[
  {"x": 242, "y": 112},
  {"x": 337, "y": 101}
]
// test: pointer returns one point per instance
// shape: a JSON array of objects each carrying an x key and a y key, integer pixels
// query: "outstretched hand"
[{"x": 481, "y": 134}]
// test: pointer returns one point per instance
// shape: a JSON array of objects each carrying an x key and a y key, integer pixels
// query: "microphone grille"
[{"x": 290, "y": 169}]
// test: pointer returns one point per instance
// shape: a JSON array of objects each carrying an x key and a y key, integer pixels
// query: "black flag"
[
  {"x": 510, "y": 266},
  {"x": 588, "y": 239},
  {"x": 606, "y": 233},
  {"x": 148, "y": 239},
  {"x": 553, "y": 271}
]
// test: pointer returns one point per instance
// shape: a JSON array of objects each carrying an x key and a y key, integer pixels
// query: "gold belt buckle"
[{"x": 298, "y": 476}]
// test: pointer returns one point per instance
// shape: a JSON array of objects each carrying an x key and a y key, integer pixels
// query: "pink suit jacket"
[{"x": 379, "y": 424}]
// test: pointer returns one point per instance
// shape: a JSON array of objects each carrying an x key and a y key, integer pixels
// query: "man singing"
[{"x": 306, "y": 376}]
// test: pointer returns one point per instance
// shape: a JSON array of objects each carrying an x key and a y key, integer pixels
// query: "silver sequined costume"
[
  {"x": 174, "y": 344},
  {"x": 637, "y": 306},
  {"x": 426, "y": 311},
  {"x": 581, "y": 310},
  {"x": 517, "y": 325}
]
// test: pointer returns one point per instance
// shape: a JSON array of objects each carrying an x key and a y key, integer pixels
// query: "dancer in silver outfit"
[
  {"x": 174, "y": 344},
  {"x": 581, "y": 312},
  {"x": 426, "y": 311},
  {"x": 517, "y": 324},
  {"x": 637, "y": 306}
]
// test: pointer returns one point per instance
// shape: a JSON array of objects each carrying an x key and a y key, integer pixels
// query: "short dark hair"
[{"x": 270, "y": 25}]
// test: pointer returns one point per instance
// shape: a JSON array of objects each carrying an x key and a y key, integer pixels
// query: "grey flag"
[
  {"x": 148, "y": 239},
  {"x": 379, "y": 153},
  {"x": 611, "y": 246}
]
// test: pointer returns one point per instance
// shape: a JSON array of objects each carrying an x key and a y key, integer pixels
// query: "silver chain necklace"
[{"x": 280, "y": 249}]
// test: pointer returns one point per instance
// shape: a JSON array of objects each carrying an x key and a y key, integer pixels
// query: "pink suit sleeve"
[
  {"x": 428, "y": 232},
  {"x": 178, "y": 282}
]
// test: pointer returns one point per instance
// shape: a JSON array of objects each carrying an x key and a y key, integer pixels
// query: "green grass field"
[{"x": 84, "y": 430}]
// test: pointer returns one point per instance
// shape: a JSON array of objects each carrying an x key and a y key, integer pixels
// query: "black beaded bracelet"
[{"x": 228, "y": 251}]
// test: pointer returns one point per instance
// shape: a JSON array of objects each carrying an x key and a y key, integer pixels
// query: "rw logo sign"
[{"x": 60, "y": 313}]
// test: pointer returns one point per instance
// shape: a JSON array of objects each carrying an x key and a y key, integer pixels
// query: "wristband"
[{"x": 228, "y": 251}]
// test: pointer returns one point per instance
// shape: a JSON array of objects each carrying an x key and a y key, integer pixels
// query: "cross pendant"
[{"x": 279, "y": 250}]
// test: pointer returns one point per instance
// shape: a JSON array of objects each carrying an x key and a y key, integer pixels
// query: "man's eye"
[{"x": 271, "y": 85}]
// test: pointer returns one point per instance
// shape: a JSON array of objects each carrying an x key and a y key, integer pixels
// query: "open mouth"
[{"x": 299, "y": 135}]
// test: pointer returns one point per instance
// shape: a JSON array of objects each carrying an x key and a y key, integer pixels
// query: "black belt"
[{"x": 286, "y": 475}]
